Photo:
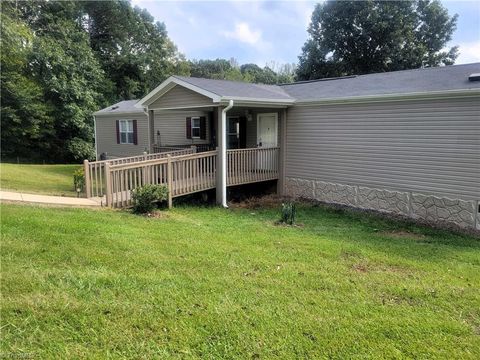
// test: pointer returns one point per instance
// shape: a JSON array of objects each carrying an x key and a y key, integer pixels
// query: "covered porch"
[
  {"x": 241, "y": 144},
  {"x": 204, "y": 134}
]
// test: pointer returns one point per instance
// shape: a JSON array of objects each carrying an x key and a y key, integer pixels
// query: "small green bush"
[
  {"x": 289, "y": 212},
  {"x": 146, "y": 197},
  {"x": 78, "y": 179}
]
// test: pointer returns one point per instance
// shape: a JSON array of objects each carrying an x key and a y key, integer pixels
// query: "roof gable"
[{"x": 179, "y": 96}]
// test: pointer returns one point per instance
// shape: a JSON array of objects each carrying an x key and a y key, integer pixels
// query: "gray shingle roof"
[
  {"x": 426, "y": 80},
  {"x": 238, "y": 89},
  {"x": 127, "y": 106},
  {"x": 443, "y": 78}
]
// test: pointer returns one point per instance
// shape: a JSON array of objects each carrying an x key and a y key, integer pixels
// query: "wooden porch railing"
[
  {"x": 168, "y": 148},
  {"x": 95, "y": 170},
  {"x": 190, "y": 173},
  {"x": 252, "y": 165}
]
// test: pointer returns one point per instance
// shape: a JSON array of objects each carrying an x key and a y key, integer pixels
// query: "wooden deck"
[{"x": 185, "y": 174}]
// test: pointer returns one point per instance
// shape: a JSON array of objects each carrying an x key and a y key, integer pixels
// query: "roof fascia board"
[
  {"x": 169, "y": 84},
  {"x": 393, "y": 97},
  {"x": 189, "y": 107},
  {"x": 119, "y": 113},
  {"x": 247, "y": 100}
]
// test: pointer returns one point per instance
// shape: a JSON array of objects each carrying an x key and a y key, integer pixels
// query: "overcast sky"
[{"x": 264, "y": 31}]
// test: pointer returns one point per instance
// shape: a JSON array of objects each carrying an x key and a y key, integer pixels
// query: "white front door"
[{"x": 267, "y": 126}]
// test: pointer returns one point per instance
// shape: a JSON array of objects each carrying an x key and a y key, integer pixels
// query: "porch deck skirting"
[{"x": 429, "y": 207}]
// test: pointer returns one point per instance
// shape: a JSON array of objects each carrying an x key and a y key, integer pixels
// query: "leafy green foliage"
[
  {"x": 146, "y": 197},
  {"x": 223, "y": 69},
  {"x": 26, "y": 125},
  {"x": 134, "y": 50},
  {"x": 79, "y": 179},
  {"x": 289, "y": 213},
  {"x": 360, "y": 37},
  {"x": 63, "y": 60}
]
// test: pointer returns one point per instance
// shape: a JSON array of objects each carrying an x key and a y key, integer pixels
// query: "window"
[
  {"x": 195, "y": 127},
  {"x": 126, "y": 132},
  {"x": 233, "y": 133}
]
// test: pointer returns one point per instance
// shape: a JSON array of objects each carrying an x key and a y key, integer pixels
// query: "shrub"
[
  {"x": 289, "y": 212},
  {"x": 145, "y": 197},
  {"x": 79, "y": 149},
  {"x": 78, "y": 179}
]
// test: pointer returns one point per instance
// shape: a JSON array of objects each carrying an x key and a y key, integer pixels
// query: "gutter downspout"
[
  {"x": 223, "y": 155},
  {"x": 95, "y": 135},
  {"x": 146, "y": 112}
]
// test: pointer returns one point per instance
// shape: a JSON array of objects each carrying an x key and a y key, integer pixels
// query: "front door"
[{"x": 267, "y": 126}]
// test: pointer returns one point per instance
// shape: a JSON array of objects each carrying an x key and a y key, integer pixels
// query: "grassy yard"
[
  {"x": 213, "y": 283},
  {"x": 38, "y": 179}
]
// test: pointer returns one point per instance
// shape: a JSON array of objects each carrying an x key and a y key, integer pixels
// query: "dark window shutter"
[
  {"x": 203, "y": 128},
  {"x": 243, "y": 132},
  {"x": 189, "y": 127},
  {"x": 118, "y": 131},
  {"x": 135, "y": 136}
]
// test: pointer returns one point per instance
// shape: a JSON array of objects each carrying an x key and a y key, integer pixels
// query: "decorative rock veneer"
[{"x": 464, "y": 213}]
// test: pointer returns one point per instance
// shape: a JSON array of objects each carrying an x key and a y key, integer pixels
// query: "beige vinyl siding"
[
  {"x": 427, "y": 146},
  {"x": 172, "y": 127},
  {"x": 107, "y": 135},
  {"x": 180, "y": 97}
]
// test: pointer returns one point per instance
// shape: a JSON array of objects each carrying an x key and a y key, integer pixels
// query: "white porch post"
[
  {"x": 282, "y": 152},
  {"x": 221, "y": 188},
  {"x": 222, "y": 155}
]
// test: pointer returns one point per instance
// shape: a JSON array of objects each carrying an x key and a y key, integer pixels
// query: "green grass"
[
  {"x": 219, "y": 284},
  {"x": 38, "y": 179}
]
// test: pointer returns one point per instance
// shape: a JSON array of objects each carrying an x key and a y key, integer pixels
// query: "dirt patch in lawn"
[
  {"x": 402, "y": 234},
  {"x": 264, "y": 202}
]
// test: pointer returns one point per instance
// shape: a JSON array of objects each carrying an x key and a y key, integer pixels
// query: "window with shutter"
[
  {"x": 126, "y": 132},
  {"x": 195, "y": 128}
]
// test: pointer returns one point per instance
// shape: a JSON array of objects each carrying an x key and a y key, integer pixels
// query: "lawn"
[
  {"x": 213, "y": 283},
  {"x": 38, "y": 179}
]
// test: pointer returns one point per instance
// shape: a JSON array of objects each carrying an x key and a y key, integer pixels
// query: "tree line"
[{"x": 63, "y": 60}]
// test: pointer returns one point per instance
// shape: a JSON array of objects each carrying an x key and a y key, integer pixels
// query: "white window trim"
[
  {"x": 199, "y": 127},
  {"x": 126, "y": 132}
]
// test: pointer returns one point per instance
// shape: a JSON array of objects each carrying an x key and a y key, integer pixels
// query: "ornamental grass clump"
[
  {"x": 289, "y": 212},
  {"x": 146, "y": 198}
]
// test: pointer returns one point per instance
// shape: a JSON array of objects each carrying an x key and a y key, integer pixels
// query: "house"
[{"x": 406, "y": 142}]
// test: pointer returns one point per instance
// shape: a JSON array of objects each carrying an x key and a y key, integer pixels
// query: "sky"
[{"x": 272, "y": 32}]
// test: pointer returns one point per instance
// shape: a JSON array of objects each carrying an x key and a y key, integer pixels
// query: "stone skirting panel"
[
  {"x": 299, "y": 188},
  {"x": 383, "y": 200},
  {"x": 334, "y": 193},
  {"x": 420, "y": 206},
  {"x": 478, "y": 215},
  {"x": 433, "y": 208}
]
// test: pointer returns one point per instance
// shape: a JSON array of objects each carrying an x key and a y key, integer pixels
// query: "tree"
[
  {"x": 134, "y": 50},
  {"x": 26, "y": 126},
  {"x": 63, "y": 60},
  {"x": 258, "y": 75},
  {"x": 360, "y": 37}
]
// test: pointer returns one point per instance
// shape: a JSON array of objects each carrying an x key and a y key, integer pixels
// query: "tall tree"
[
  {"x": 62, "y": 60},
  {"x": 359, "y": 37},
  {"x": 134, "y": 50},
  {"x": 71, "y": 78},
  {"x": 25, "y": 121}
]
